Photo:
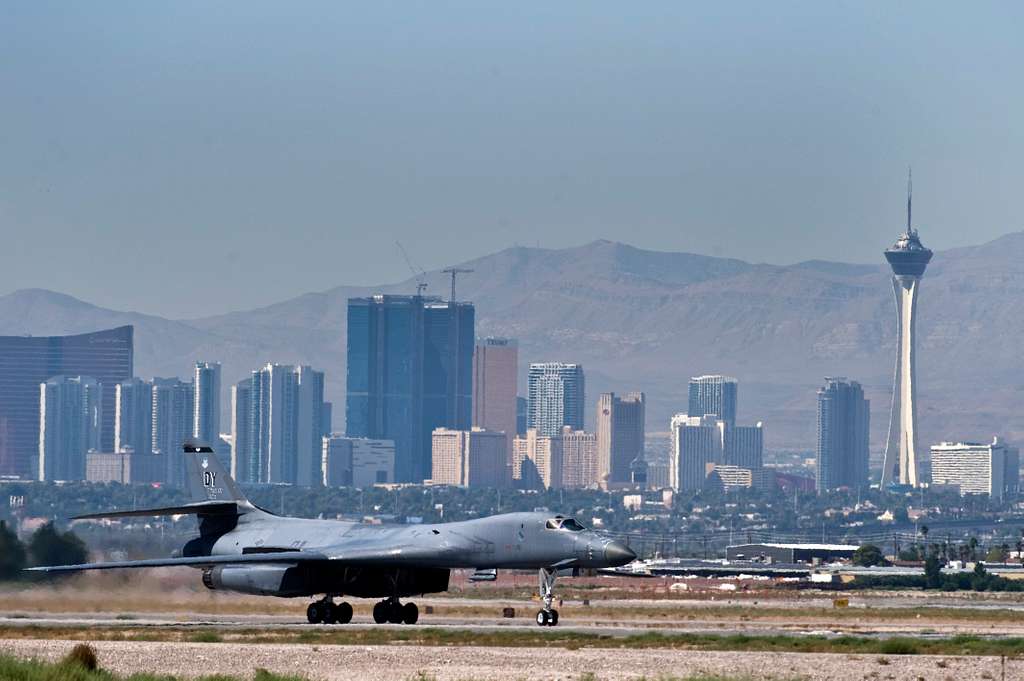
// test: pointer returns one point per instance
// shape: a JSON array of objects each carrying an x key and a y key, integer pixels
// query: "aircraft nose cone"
[{"x": 616, "y": 553}]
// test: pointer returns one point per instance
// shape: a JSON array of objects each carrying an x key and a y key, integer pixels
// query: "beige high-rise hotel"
[{"x": 495, "y": 368}]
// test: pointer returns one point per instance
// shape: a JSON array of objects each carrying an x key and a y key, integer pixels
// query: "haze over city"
[{"x": 180, "y": 145}]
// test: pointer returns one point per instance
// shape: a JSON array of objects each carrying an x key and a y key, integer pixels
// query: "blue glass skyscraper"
[{"x": 410, "y": 370}]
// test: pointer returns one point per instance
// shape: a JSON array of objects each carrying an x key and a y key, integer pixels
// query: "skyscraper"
[
  {"x": 133, "y": 416},
  {"x": 285, "y": 436},
  {"x": 495, "y": 366},
  {"x": 173, "y": 404},
  {"x": 206, "y": 416},
  {"x": 744, "y": 446},
  {"x": 714, "y": 395},
  {"x": 556, "y": 394},
  {"x": 244, "y": 467},
  {"x": 27, "y": 361},
  {"x": 696, "y": 442},
  {"x": 908, "y": 259},
  {"x": 620, "y": 435},
  {"x": 843, "y": 422},
  {"x": 410, "y": 370},
  {"x": 70, "y": 420},
  {"x": 579, "y": 459}
]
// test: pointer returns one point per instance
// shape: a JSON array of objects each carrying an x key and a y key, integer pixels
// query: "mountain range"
[{"x": 648, "y": 320}]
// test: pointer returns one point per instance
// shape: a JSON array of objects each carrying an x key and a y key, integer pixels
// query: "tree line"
[{"x": 46, "y": 546}]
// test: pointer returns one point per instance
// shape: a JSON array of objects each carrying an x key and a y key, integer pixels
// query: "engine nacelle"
[{"x": 262, "y": 580}]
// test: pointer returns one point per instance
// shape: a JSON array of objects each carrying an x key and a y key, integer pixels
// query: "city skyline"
[{"x": 444, "y": 397}]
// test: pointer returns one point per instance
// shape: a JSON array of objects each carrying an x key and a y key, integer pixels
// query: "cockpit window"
[{"x": 568, "y": 524}]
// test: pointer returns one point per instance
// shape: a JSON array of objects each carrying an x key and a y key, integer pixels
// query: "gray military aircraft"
[{"x": 246, "y": 549}]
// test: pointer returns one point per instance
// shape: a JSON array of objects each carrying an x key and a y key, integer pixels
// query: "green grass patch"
[{"x": 538, "y": 638}]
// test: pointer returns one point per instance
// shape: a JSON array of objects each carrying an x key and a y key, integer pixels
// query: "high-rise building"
[
  {"x": 27, "y": 361},
  {"x": 537, "y": 461},
  {"x": 357, "y": 462},
  {"x": 495, "y": 367},
  {"x": 410, "y": 370},
  {"x": 556, "y": 397},
  {"x": 579, "y": 459},
  {"x": 206, "y": 413},
  {"x": 173, "y": 402},
  {"x": 714, "y": 396},
  {"x": 696, "y": 442},
  {"x": 843, "y": 424},
  {"x": 133, "y": 416},
  {"x": 70, "y": 422},
  {"x": 744, "y": 446},
  {"x": 973, "y": 468},
  {"x": 284, "y": 441},
  {"x": 620, "y": 436},
  {"x": 908, "y": 259},
  {"x": 469, "y": 458},
  {"x": 244, "y": 466}
]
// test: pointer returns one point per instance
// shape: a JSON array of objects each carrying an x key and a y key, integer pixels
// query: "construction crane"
[
  {"x": 417, "y": 272},
  {"x": 455, "y": 271}
]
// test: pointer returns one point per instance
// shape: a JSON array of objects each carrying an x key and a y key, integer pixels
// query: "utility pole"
[{"x": 455, "y": 271}]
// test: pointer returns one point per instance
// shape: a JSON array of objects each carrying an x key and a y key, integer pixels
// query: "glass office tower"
[
  {"x": 28, "y": 361},
  {"x": 410, "y": 370}
]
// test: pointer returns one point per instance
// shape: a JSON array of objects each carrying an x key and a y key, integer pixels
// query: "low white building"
[{"x": 357, "y": 461}]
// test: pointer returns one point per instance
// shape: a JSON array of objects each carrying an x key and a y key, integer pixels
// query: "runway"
[{"x": 616, "y": 627}]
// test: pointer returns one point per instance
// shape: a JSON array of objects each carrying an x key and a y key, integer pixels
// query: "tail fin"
[{"x": 207, "y": 479}]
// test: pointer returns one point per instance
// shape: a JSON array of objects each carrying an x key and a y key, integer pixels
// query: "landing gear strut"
[
  {"x": 327, "y": 612},
  {"x": 391, "y": 610},
  {"x": 548, "y": 617}
]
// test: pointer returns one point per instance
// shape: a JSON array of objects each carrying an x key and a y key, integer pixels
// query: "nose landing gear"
[{"x": 548, "y": 617}]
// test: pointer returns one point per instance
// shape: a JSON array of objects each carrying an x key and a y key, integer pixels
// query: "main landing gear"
[
  {"x": 392, "y": 611},
  {"x": 548, "y": 617},
  {"x": 327, "y": 612}
]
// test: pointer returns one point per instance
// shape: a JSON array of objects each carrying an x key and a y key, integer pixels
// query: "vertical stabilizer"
[{"x": 206, "y": 477}]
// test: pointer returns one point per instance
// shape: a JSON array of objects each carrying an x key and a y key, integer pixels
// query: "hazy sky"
[{"x": 187, "y": 158}]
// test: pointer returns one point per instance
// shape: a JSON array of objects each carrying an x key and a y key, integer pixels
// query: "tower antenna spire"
[{"x": 910, "y": 195}]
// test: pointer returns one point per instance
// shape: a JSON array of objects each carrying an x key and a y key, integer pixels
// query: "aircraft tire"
[
  {"x": 553, "y": 618},
  {"x": 395, "y": 613},
  {"x": 330, "y": 613},
  {"x": 343, "y": 613},
  {"x": 542, "y": 618},
  {"x": 380, "y": 612},
  {"x": 313, "y": 614},
  {"x": 410, "y": 613}
]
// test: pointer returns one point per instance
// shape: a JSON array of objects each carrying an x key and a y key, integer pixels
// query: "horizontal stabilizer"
[
  {"x": 194, "y": 561},
  {"x": 200, "y": 508}
]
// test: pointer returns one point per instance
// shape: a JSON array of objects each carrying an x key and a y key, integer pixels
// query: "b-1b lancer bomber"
[{"x": 246, "y": 549}]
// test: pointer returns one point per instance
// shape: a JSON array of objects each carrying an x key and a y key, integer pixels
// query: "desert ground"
[{"x": 610, "y": 628}]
